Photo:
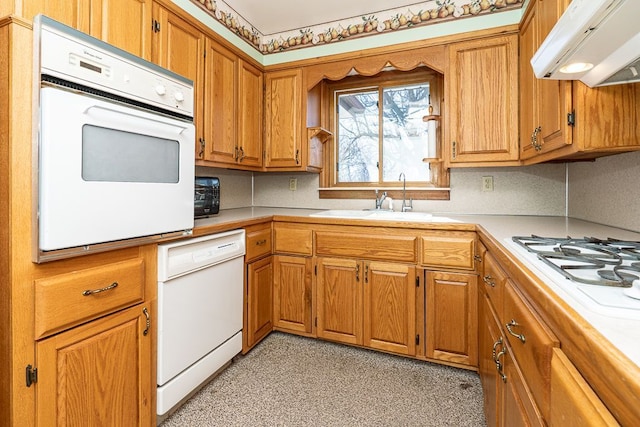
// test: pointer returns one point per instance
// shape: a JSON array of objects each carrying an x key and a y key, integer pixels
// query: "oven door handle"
[{"x": 111, "y": 114}]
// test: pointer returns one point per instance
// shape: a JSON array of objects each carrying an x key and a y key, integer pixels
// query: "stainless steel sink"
[
  {"x": 384, "y": 215},
  {"x": 340, "y": 213}
]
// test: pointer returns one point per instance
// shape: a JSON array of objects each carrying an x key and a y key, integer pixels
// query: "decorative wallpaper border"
[{"x": 425, "y": 13}]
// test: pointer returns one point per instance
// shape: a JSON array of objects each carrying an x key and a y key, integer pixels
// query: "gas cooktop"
[{"x": 607, "y": 271}]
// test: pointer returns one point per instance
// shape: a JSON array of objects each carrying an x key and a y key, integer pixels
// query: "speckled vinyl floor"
[{"x": 293, "y": 381}]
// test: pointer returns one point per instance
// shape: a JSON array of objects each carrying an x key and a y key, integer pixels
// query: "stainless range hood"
[{"x": 600, "y": 39}]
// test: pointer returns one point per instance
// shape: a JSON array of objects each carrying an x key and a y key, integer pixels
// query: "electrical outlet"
[
  {"x": 293, "y": 184},
  {"x": 487, "y": 183}
]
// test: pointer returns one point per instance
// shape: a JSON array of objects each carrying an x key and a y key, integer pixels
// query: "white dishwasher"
[{"x": 200, "y": 289}]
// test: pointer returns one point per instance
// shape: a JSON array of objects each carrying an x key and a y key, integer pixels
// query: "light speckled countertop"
[{"x": 624, "y": 334}]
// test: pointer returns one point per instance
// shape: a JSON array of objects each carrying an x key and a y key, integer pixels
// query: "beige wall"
[
  {"x": 607, "y": 191},
  {"x": 532, "y": 190}
]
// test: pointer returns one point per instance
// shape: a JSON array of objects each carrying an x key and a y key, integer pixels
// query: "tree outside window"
[{"x": 374, "y": 145}]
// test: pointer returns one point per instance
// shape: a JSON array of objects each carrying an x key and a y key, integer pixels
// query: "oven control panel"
[{"x": 70, "y": 55}]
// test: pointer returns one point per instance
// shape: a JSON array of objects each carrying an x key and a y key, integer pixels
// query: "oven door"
[{"x": 109, "y": 172}]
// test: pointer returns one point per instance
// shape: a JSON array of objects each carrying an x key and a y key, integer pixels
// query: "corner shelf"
[{"x": 320, "y": 133}]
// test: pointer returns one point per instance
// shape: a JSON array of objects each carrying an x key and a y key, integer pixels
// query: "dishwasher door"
[{"x": 200, "y": 301}]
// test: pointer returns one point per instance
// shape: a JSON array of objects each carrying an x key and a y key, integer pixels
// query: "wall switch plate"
[
  {"x": 293, "y": 184},
  {"x": 487, "y": 183}
]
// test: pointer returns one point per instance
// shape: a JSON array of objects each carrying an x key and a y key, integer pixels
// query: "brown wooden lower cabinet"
[
  {"x": 390, "y": 307},
  {"x": 259, "y": 304},
  {"x": 97, "y": 374},
  {"x": 292, "y": 294},
  {"x": 573, "y": 402},
  {"x": 339, "y": 300},
  {"x": 452, "y": 317},
  {"x": 367, "y": 303},
  {"x": 490, "y": 342},
  {"x": 507, "y": 399}
]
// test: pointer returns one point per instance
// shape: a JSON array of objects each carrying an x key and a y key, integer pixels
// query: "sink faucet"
[
  {"x": 380, "y": 199},
  {"x": 405, "y": 207}
]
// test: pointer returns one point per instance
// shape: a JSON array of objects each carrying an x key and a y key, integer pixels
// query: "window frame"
[{"x": 435, "y": 189}]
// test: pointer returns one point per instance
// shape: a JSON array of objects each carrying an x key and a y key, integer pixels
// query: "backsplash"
[
  {"x": 607, "y": 191},
  {"x": 235, "y": 186},
  {"x": 531, "y": 190}
]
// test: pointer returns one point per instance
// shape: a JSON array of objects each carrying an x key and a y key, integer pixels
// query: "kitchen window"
[{"x": 379, "y": 133}]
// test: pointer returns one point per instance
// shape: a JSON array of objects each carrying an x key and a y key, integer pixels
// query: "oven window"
[{"x": 116, "y": 156}]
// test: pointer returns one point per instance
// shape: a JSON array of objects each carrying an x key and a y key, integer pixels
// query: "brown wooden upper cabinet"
[
  {"x": 122, "y": 23},
  {"x": 283, "y": 121},
  {"x": 545, "y": 104},
  {"x": 482, "y": 97},
  {"x": 232, "y": 111},
  {"x": 179, "y": 47},
  {"x": 567, "y": 119}
]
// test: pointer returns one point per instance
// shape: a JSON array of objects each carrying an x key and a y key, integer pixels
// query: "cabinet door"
[
  {"x": 179, "y": 47},
  {"x": 390, "y": 307},
  {"x": 259, "y": 309},
  {"x": 220, "y": 104},
  {"x": 97, "y": 374},
  {"x": 490, "y": 344},
  {"x": 250, "y": 114},
  {"x": 544, "y": 103},
  {"x": 518, "y": 404},
  {"x": 339, "y": 300},
  {"x": 283, "y": 116},
  {"x": 452, "y": 323},
  {"x": 67, "y": 12},
  {"x": 483, "y": 100},
  {"x": 574, "y": 403},
  {"x": 292, "y": 294},
  {"x": 122, "y": 23}
]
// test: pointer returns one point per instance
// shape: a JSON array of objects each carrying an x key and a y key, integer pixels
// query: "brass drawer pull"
[
  {"x": 499, "y": 365},
  {"x": 261, "y": 242},
  {"x": 148, "y": 323},
  {"x": 514, "y": 323},
  {"x": 494, "y": 352},
  {"x": 489, "y": 280},
  {"x": 497, "y": 356},
  {"x": 97, "y": 291},
  {"x": 534, "y": 139}
]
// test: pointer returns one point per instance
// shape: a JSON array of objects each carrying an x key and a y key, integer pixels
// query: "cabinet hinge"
[
  {"x": 417, "y": 339},
  {"x": 477, "y": 258},
  {"x": 155, "y": 26},
  {"x": 316, "y": 322},
  {"x": 315, "y": 270},
  {"x": 31, "y": 375},
  {"x": 453, "y": 149},
  {"x": 571, "y": 118},
  {"x": 417, "y": 281}
]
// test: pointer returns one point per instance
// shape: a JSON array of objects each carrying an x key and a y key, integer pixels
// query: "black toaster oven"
[{"x": 207, "y": 196}]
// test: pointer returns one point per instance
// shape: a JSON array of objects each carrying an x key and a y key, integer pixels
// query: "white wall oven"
[{"x": 115, "y": 142}]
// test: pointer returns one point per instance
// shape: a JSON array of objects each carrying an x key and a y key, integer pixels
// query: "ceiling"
[{"x": 278, "y": 16}]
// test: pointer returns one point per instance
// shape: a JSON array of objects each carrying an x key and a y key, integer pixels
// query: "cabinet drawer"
[
  {"x": 493, "y": 279},
  {"x": 368, "y": 246},
  {"x": 531, "y": 342},
  {"x": 292, "y": 239},
  {"x": 67, "y": 299},
  {"x": 258, "y": 242},
  {"x": 448, "y": 249}
]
